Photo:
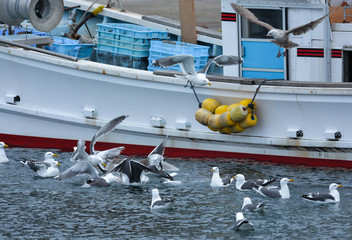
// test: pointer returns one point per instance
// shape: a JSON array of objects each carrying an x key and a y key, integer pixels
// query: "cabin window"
[
  {"x": 252, "y": 30},
  {"x": 347, "y": 63}
]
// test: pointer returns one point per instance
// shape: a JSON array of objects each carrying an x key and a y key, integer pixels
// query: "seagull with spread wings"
[
  {"x": 280, "y": 36},
  {"x": 187, "y": 65}
]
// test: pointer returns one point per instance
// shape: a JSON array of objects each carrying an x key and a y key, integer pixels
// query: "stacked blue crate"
[
  {"x": 160, "y": 49},
  {"x": 126, "y": 45},
  {"x": 72, "y": 47}
]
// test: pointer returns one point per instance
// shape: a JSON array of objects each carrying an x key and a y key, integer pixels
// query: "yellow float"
[
  {"x": 213, "y": 121},
  {"x": 210, "y": 104},
  {"x": 221, "y": 109},
  {"x": 249, "y": 121},
  {"x": 238, "y": 113},
  {"x": 202, "y": 116}
]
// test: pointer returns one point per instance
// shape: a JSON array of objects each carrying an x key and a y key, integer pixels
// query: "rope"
[{"x": 251, "y": 104}]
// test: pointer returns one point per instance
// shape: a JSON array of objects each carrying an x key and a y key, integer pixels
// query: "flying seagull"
[
  {"x": 187, "y": 66},
  {"x": 3, "y": 158},
  {"x": 217, "y": 181},
  {"x": 158, "y": 203},
  {"x": 332, "y": 196},
  {"x": 244, "y": 185},
  {"x": 280, "y": 36},
  {"x": 283, "y": 192}
]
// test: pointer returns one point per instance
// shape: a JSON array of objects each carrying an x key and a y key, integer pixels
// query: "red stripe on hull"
[{"x": 140, "y": 150}]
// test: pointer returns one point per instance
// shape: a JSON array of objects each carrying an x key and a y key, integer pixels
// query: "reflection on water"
[{"x": 36, "y": 208}]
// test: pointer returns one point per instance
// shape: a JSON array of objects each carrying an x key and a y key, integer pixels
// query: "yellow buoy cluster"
[{"x": 226, "y": 119}]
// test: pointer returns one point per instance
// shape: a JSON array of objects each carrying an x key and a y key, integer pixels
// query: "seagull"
[
  {"x": 283, "y": 192},
  {"x": 187, "y": 66},
  {"x": 280, "y": 36},
  {"x": 132, "y": 171},
  {"x": 242, "y": 223},
  {"x": 3, "y": 158},
  {"x": 103, "y": 181},
  {"x": 243, "y": 185},
  {"x": 333, "y": 196},
  {"x": 249, "y": 206},
  {"x": 42, "y": 168},
  {"x": 156, "y": 163},
  {"x": 158, "y": 203},
  {"x": 217, "y": 181}
]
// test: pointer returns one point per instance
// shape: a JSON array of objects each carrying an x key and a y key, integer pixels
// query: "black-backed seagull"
[
  {"x": 242, "y": 223},
  {"x": 217, "y": 181},
  {"x": 248, "y": 205},
  {"x": 244, "y": 185},
  {"x": 158, "y": 203},
  {"x": 283, "y": 192},
  {"x": 332, "y": 196}
]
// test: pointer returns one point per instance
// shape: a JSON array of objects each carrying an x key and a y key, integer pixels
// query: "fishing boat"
[{"x": 302, "y": 100}]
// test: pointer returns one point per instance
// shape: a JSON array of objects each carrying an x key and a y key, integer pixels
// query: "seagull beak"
[
  {"x": 339, "y": 186},
  {"x": 55, "y": 155},
  {"x": 58, "y": 164},
  {"x": 212, "y": 170},
  {"x": 234, "y": 177},
  {"x": 291, "y": 180},
  {"x": 6, "y": 145},
  {"x": 103, "y": 164},
  {"x": 209, "y": 84}
]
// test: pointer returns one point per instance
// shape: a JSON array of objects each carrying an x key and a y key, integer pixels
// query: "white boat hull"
[{"x": 53, "y": 93}]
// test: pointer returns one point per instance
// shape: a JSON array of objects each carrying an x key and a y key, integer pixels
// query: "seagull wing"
[
  {"x": 307, "y": 27},
  {"x": 106, "y": 128},
  {"x": 80, "y": 152},
  {"x": 83, "y": 167},
  {"x": 137, "y": 169},
  {"x": 160, "y": 149},
  {"x": 186, "y": 62},
  {"x": 110, "y": 154},
  {"x": 250, "y": 16},
  {"x": 221, "y": 60},
  {"x": 318, "y": 197}
]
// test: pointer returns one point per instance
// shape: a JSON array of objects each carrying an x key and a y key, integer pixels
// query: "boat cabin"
[{"x": 324, "y": 54}]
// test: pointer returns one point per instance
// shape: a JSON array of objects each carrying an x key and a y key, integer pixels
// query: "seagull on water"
[
  {"x": 242, "y": 223},
  {"x": 333, "y": 196},
  {"x": 243, "y": 185},
  {"x": 3, "y": 157},
  {"x": 283, "y": 192},
  {"x": 46, "y": 168},
  {"x": 187, "y": 65},
  {"x": 249, "y": 206},
  {"x": 217, "y": 181},
  {"x": 158, "y": 203},
  {"x": 280, "y": 36}
]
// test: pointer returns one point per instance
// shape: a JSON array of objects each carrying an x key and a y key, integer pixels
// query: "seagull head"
[
  {"x": 215, "y": 169},
  {"x": 240, "y": 178},
  {"x": 286, "y": 180},
  {"x": 275, "y": 33},
  {"x": 334, "y": 186},
  {"x": 247, "y": 200},
  {"x": 3, "y": 145},
  {"x": 202, "y": 79},
  {"x": 49, "y": 155}
]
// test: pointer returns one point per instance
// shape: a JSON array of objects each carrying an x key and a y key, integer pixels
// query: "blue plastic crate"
[
  {"x": 122, "y": 60},
  {"x": 72, "y": 47},
  {"x": 132, "y": 30},
  {"x": 161, "y": 49},
  {"x": 129, "y": 45}
]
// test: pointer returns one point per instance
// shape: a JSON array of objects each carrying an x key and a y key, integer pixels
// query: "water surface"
[{"x": 36, "y": 208}]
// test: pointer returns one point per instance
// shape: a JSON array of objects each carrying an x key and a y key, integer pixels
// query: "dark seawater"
[{"x": 35, "y": 208}]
